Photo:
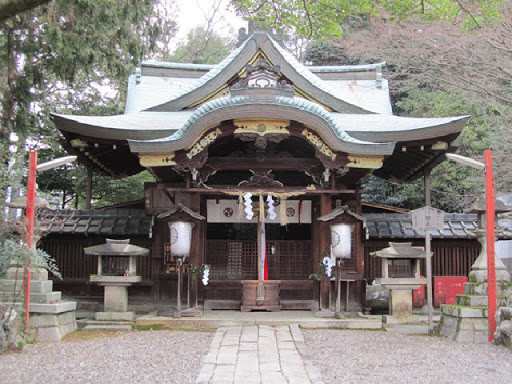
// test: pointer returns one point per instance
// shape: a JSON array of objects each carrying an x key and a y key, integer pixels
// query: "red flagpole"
[
  {"x": 29, "y": 217},
  {"x": 491, "y": 267}
]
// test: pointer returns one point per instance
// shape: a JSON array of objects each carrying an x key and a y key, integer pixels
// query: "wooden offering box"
[{"x": 269, "y": 300}]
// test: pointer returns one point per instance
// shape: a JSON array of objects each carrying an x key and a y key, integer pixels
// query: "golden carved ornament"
[
  {"x": 204, "y": 142},
  {"x": 319, "y": 144}
]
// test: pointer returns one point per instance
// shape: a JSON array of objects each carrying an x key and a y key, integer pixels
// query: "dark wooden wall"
[{"x": 451, "y": 257}]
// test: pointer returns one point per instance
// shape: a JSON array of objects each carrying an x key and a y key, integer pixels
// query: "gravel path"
[
  {"x": 364, "y": 356},
  {"x": 134, "y": 357}
]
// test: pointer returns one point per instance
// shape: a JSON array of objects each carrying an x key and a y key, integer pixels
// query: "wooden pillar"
[
  {"x": 325, "y": 242},
  {"x": 426, "y": 179},
  {"x": 88, "y": 191},
  {"x": 196, "y": 248}
]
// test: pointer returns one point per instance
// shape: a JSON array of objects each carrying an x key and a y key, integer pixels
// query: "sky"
[{"x": 192, "y": 14}]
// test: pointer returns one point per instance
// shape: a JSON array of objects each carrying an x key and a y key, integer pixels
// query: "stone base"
[
  {"x": 464, "y": 329},
  {"x": 115, "y": 316},
  {"x": 409, "y": 319},
  {"x": 50, "y": 318},
  {"x": 52, "y": 326},
  {"x": 480, "y": 276},
  {"x": 400, "y": 304},
  {"x": 503, "y": 333}
]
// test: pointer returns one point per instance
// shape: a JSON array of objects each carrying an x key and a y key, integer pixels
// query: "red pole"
[
  {"x": 31, "y": 196},
  {"x": 491, "y": 267}
]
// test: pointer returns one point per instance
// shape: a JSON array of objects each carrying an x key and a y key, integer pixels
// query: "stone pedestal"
[
  {"x": 50, "y": 318},
  {"x": 115, "y": 298},
  {"x": 467, "y": 320}
]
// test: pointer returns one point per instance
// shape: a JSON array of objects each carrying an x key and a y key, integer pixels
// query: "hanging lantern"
[
  {"x": 341, "y": 240},
  {"x": 181, "y": 238}
]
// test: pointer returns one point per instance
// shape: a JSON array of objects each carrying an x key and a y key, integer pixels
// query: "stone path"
[{"x": 259, "y": 354}]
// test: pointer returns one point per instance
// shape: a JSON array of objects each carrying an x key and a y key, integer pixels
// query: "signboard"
[{"x": 427, "y": 219}]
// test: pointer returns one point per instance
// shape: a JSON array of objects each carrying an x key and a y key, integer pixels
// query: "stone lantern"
[
  {"x": 478, "y": 272},
  {"x": 117, "y": 270},
  {"x": 400, "y": 274}
]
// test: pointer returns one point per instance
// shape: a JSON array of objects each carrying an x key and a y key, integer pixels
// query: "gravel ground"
[
  {"x": 133, "y": 357},
  {"x": 364, "y": 356}
]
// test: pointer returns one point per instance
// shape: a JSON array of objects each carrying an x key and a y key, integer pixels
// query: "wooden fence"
[{"x": 451, "y": 257}]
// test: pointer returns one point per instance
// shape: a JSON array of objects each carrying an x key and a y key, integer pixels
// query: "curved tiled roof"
[{"x": 302, "y": 111}]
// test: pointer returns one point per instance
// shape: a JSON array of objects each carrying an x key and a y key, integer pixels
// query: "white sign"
[
  {"x": 427, "y": 218},
  {"x": 228, "y": 211}
]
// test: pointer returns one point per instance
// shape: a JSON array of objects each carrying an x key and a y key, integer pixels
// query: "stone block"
[
  {"x": 67, "y": 318},
  {"x": 481, "y": 337},
  {"x": 43, "y": 286},
  {"x": 43, "y": 321},
  {"x": 481, "y": 325},
  {"x": 466, "y": 325},
  {"x": 458, "y": 311},
  {"x": 45, "y": 298},
  {"x": 49, "y": 334},
  {"x": 475, "y": 288},
  {"x": 472, "y": 300},
  {"x": 11, "y": 285},
  {"x": 64, "y": 306},
  {"x": 116, "y": 299},
  {"x": 401, "y": 302},
  {"x": 465, "y": 336},
  {"x": 65, "y": 329}
]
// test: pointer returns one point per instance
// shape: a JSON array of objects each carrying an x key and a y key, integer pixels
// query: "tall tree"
[
  {"x": 321, "y": 18},
  {"x": 71, "y": 57}
]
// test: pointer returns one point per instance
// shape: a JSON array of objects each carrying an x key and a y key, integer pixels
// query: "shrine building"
[{"x": 261, "y": 147}]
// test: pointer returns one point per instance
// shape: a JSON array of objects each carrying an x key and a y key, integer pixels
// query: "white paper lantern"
[
  {"x": 341, "y": 240},
  {"x": 181, "y": 237}
]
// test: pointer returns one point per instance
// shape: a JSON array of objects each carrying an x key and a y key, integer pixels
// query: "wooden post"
[
  {"x": 325, "y": 238},
  {"x": 88, "y": 190},
  {"x": 428, "y": 260}
]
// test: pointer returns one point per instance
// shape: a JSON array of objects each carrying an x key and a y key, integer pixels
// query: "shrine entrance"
[{"x": 232, "y": 253}]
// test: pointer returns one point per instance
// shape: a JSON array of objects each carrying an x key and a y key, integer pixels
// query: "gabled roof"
[
  {"x": 259, "y": 42},
  {"x": 171, "y": 105}
]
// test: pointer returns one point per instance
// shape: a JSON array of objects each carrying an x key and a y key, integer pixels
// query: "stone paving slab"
[{"x": 256, "y": 354}]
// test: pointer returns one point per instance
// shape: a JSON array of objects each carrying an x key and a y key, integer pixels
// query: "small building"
[{"x": 257, "y": 138}]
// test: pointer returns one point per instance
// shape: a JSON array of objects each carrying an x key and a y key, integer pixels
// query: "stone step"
[
  {"x": 63, "y": 306},
  {"x": 460, "y": 311},
  {"x": 16, "y": 273},
  {"x": 109, "y": 327},
  {"x": 37, "y": 286},
  {"x": 40, "y": 298},
  {"x": 472, "y": 300}
]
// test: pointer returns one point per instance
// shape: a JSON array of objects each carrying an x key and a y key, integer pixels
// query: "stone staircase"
[
  {"x": 467, "y": 320},
  {"x": 50, "y": 317}
]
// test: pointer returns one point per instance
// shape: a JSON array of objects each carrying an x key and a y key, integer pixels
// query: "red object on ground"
[
  {"x": 446, "y": 289},
  {"x": 418, "y": 297}
]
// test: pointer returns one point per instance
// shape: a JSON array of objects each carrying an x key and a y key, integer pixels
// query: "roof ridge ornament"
[{"x": 263, "y": 76}]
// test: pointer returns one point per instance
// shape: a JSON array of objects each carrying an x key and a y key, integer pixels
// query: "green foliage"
[
  {"x": 13, "y": 252},
  {"x": 324, "y": 53},
  {"x": 319, "y": 19},
  {"x": 197, "y": 272},
  {"x": 320, "y": 274},
  {"x": 202, "y": 46}
]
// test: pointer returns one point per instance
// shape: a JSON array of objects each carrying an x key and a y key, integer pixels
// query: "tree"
[
  {"x": 71, "y": 57},
  {"x": 323, "y": 18},
  {"x": 203, "y": 46},
  {"x": 438, "y": 69},
  {"x": 10, "y": 8}
]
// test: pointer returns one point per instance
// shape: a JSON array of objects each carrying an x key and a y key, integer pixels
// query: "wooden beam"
[{"x": 275, "y": 164}]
